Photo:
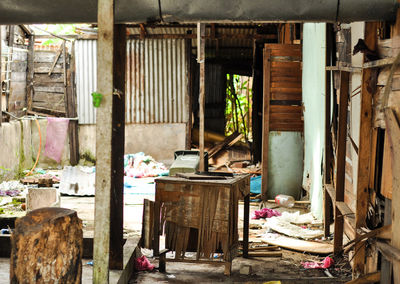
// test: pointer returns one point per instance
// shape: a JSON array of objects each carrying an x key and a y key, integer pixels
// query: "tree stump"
[{"x": 47, "y": 247}]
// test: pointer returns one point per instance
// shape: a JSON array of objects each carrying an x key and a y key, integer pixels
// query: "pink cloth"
[
  {"x": 142, "y": 264},
  {"x": 265, "y": 213},
  {"x": 326, "y": 263},
  {"x": 55, "y": 137}
]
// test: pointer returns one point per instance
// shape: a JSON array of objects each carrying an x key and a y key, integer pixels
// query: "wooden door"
[{"x": 282, "y": 103}]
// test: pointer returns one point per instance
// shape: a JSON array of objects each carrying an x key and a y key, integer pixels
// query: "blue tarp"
[{"x": 255, "y": 185}]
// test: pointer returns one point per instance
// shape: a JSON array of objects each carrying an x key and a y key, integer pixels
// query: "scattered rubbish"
[
  {"x": 171, "y": 276},
  {"x": 10, "y": 192},
  {"x": 282, "y": 226},
  {"x": 5, "y": 231},
  {"x": 142, "y": 264},
  {"x": 284, "y": 200},
  {"x": 78, "y": 181},
  {"x": 90, "y": 263},
  {"x": 255, "y": 184},
  {"x": 297, "y": 218},
  {"x": 246, "y": 269},
  {"x": 11, "y": 188},
  {"x": 265, "y": 213},
  {"x": 326, "y": 263},
  {"x": 327, "y": 273},
  {"x": 296, "y": 244},
  {"x": 140, "y": 165}
]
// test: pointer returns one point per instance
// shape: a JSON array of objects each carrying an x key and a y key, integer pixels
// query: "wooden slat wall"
[
  {"x": 48, "y": 90},
  {"x": 285, "y": 87}
]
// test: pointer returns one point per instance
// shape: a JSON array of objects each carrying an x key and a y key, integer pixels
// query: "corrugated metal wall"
[
  {"x": 156, "y": 81},
  {"x": 86, "y": 82}
]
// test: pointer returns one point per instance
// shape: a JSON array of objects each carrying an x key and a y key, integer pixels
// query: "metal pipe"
[{"x": 191, "y": 11}]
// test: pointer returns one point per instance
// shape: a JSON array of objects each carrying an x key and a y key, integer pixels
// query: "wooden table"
[{"x": 201, "y": 216}]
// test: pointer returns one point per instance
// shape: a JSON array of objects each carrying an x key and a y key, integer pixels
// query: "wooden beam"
[
  {"x": 367, "y": 278},
  {"x": 341, "y": 159},
  {"x": 393, "y": 130},
  {"x": 105, "y": 84},
  {"x": 389, "y": 252},
  {"x": 364, "y": 150},
  {"x": 30, "y": 72},
  {"x": 201, "y": 57},
  {"x": 265, "y": 122},
  {"x": 118, "y": 149},
  {"x": 189, "y": 92}
]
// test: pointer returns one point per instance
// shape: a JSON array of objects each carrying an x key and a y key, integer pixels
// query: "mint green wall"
[
  {"x": 285, "y": 163},
  {"x": 314, "y": 112}
]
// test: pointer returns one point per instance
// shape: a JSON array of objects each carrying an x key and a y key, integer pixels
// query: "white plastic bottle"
[{"x": 284, "y": 200}]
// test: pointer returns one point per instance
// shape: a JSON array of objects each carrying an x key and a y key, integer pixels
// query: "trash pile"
[
  {"x": 11, "y": 188},
  {"x": 140, "y": 165}
]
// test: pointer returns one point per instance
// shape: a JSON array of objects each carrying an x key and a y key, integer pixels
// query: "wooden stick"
[{"x": 368, "y": 278}]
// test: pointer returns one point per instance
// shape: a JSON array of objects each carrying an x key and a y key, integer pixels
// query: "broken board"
[{"x": 300, "y": 245}]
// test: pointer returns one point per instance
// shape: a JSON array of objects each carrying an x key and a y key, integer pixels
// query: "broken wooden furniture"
[
  {"x": 47, "y": 247},
  {"x": 201, "y": 216}
]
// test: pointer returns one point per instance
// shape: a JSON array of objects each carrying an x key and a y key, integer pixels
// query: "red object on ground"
[
  {"x": 142, "y": 264},
  {"x": 326, "y": 263},
  {"x": 265, "y": 213}
]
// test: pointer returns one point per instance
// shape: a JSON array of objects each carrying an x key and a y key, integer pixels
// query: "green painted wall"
[
  {"x": 285, "y": 163},
  {"x": 314, "y": 46}
]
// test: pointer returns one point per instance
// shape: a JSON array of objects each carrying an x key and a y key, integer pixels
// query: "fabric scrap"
[
  {"x": 265, "y": 213},
  {"x": 143, "y": 264},
  {"x": 326, "y": 263},
  {"x": 55, "y": 137}
]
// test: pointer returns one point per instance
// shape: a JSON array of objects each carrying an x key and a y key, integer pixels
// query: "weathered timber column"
[
  {"x": 201, "y": 31},
  {"x": 47, "y": 247},
  {"x": 109, "y": 144}
]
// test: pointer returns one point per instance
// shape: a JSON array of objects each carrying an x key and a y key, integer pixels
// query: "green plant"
[
  {"x": 238, "y": 105},
  {"x": 19, "y": 172}
]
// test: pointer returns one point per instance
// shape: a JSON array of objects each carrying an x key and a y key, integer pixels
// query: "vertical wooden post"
[
  {"x": 105, "y": 84},
  {"x": 328, "y": 143},
  {"x": 364, "y": 151},
  {"x": 393, "y": 130},
  {"x": 71, "y": 107},
  {"x": 188, "y": 55},
  {"x": 29, "y": 79},
  {"x": 117, "y": 151},
  {"x": 201, "y": 32},
  {"x": 341, "y": 159},
  {"x": 265, "y": 122}
]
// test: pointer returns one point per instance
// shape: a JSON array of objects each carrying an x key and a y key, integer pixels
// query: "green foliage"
[
  {"x": 87, "y": 158},
  {"x": 3, "y": 173},
  {"x": 19, "y": 172},
  {"x": 238, "y": 105}
]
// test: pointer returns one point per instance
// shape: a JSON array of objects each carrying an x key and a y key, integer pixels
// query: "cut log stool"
[{"x": 47, "y": 247}]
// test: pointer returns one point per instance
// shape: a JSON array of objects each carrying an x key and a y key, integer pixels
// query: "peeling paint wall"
[{"x": 314, "y": 46}]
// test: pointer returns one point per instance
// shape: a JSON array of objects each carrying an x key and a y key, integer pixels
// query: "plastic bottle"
[{"x": 284, "y": 200}]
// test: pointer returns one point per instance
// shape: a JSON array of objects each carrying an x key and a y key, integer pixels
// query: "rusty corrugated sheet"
[{"x": 156, "y": 81}]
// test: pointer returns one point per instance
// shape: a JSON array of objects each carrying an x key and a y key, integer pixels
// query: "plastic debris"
[
  {"x": 326, "y": 263},
  {"x": 90, "y": 263},
  {"x": 265, "y": 213},
  {"x": 143, "y": 264},
  {"x": 140, "y": 165},
  {"x": 280, "y": 225},
  {"x": 255, "y": 184}
]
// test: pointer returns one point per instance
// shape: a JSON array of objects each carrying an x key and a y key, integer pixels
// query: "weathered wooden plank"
[
  {"x": 292, "y": 65},
  {"x": 45, "y": 68},
  {"x": 393, "y": 130},
  {"x": 265, "y": 123},
  {"x": 364, "y": 150},
  {"x": 201, "y": 31},
  {"x": 285, "y": 72},
  {"x": 387, "y": 171},
  {"x": 278, "y": 96},
  {"x": 43, "y": 78},
  {"x": 286, "y": 127},
  {"x": 281, "y": 86},
  {"x": 367, "y": 278},
  {"x": 292, "y": 116},
  {"x": 50, "y": 88},
  {"x": 49, "y": 98},
  {"x": 56, "y": 107},
  {"x": 286, "y": 79},
  {"x": 285, "y": 109},
  {"x": 44, "y": 56},
  {"x": 105, "y": 86},
  {"x": 341, "y": 158},
  {"x": 30, "y": 73}
]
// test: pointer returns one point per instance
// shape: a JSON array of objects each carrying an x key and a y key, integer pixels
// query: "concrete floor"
[{"x": 287, "y": 268}]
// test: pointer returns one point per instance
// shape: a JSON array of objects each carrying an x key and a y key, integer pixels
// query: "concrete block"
[
  {"x": 246, "y": 269},
  {"x": 42, "y": 197}
]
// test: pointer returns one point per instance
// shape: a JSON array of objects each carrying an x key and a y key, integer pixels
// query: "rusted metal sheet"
[{"x": 156, "y": 81}]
